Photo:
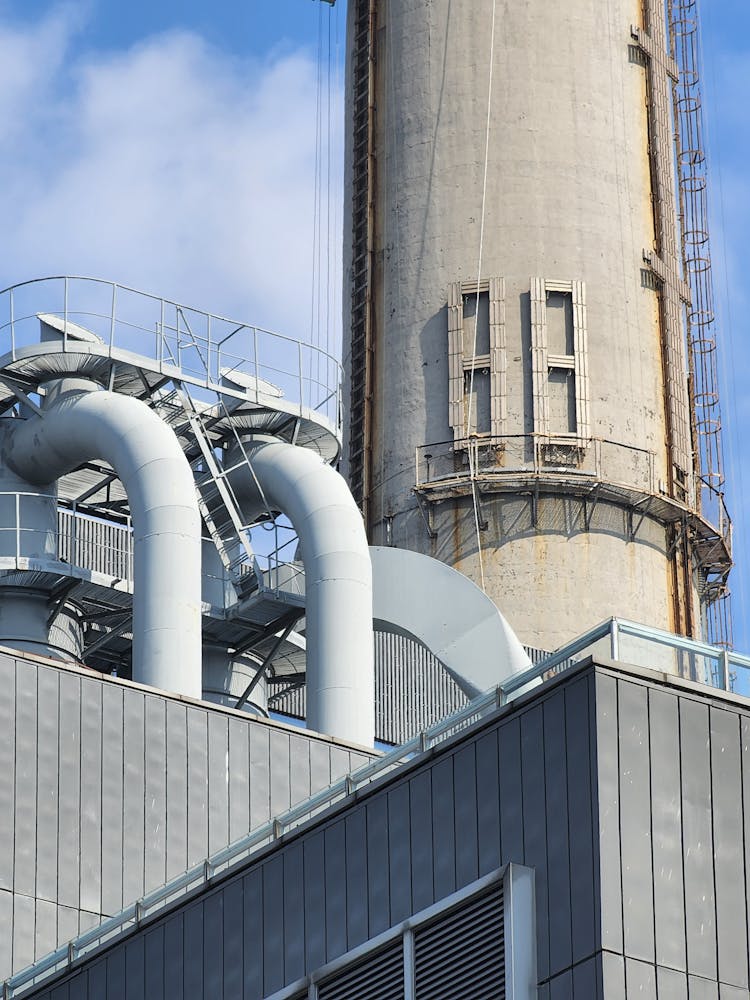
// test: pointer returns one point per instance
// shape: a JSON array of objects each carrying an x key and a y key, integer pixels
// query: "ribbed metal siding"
[
  {"x": 95, "y": 545},
  {"x": 106, "y": 791},
  {"x": 462, "y": 954},
  {"x": 378, "y": 977},
  {"x": 412, "y": 689}
]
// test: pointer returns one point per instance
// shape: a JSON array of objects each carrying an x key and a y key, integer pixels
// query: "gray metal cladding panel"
[
  {"x": 728, "y": 831},
  {"x": 24, "y": 874},
  {"x": 134, "y": 790},
  {"x": 488, "y": 803},
  {"x": 335, "y": 888},
  {"x": 315, "y": 900},
  {"x": 24, "y": 913},
  {"x": 399, "y": 853},
  {"x": 356, "y": 877},
  {"x": 218, "y": 782},
  {"x": 635, "y": 822},
  {"x": 666, "y": 819},
  {"x": 377, "y": 865},
  {"x": 702, "y": 989},
  {"x": 112, "y": 788},
  {"x": 580, "y": 813},
  {"x": 279, "y": 750},
  {"x": 465, "y": 784},
  {"x": 443, "y": 828},
  {"x": 176, "y": 833},
  {"x": 535, "y": 823},
  {"x": 273, "y": 923},
  {"x": 6, "y": 929},
  {"x": 116, "y": 975},
  {"x": 173, "y": 955},
  {"x": 561, "y": 987},
  {"x": 239, "y": 780},
  {"x": 299, "y": 769},
  {"x": 69, "y": 849},
  {"x": 640, "y": 979},
  {"x": 558, "y": 840},
  {"x": 732, "y": 992},
  {"x": 97, "y": 981},
  {"x": 586, "y": 980},
  {"x": 612, "y": 975},
  {"x": 47, "y": 804},
  {"x": 45, "y": 932},
  {"x": 232, "y": 942},
  {"x": 697, "y": 839},
  {"x": 422, "y": 860},
  {"x": 511, "y": 793},
  {"x": 91, "y": 797},
  {"x": 260, "y": 788},
  {"x": 294, "y": 913},
  {"x": 671, "y": 984},
  {"x": 7, "y": 768},
  {"x": 155, "y": 818},
  {"x": 197, "y": 785},
  {"x": 607, "y": 763}
]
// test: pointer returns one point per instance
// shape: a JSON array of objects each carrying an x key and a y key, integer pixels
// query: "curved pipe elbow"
[
  {"x": 83, "y": 424},
  {"x": 340, "y": 688}
]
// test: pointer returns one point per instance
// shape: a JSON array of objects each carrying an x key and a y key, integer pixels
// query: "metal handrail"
[{"x": 242, "y": 849}]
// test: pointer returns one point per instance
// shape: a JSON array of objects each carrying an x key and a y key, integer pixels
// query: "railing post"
[
  {"x": 74, "y": 538},
  {"x": 65, "y": 313},
  {"x": 614, "y": 639},
  {"x": 12, "y": 326},
  {"x": 725, "y": 668},
  {"x": 301, "y": 383},
  {"x": 112, "y": 318},
  {"x": 18, "y": 526}
]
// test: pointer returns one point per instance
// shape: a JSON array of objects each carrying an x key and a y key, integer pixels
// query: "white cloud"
[{"x": 171, "y": 166}]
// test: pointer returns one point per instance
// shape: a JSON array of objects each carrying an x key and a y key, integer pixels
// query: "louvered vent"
[
  {"x": 378, "y": 977},
  {"x": 462, "y": 954}
]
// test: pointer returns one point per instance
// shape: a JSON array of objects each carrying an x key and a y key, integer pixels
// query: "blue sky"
[{"x": 172, "y": 145}]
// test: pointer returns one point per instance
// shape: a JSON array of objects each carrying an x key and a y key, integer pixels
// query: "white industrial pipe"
[
  {"x": 340, "y": 687},
  {"x": 80, "y": 423}
]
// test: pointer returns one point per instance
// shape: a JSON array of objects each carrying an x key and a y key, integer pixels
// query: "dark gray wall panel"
[
  {"x": 252, "y": 924},
  {"x": 728, "y": 830},
  {"x": 335, "y": 888},
  {"x": 69, "y": 848},
  {"x": 377, "y": 865},
  {"x": 535, "y": 824},
  {"x": 558, "y": 839},
  {"x": 561, "y": 987},
  {"x": 116, "y": 975},
  {"x": 155, "y": 817},
  {"x": 91, "y": 797},
  {"x": 422, "y": 860},
  {"x": 213, "y": 938},
  {"x": 174, "y": 955},
  {"x": 294, "y": 913},
  {"x": 511, "y": 792},
  {"x": 24, "y": 874},
  {"x": 467, "y": 844},
  {"x": 135, "y": 969},
  {"x": 608, "y": 847},
  {"x": 133, "y": 806},
  {"x": 97, "y": 982},
  {"x": 154, "y": 963},
  {"x": 666, "y": 818},
  {"x": 48, "y": 778},
  {"x": 635, "y": 822},
  {"x": 111, "y": 818},
  {"x": 443, "y": 828},
  {"x": 315, "y": 900},
  {"x": 193, "y": 950},
  {"x": 671, "y": 984},
  {"x": 586, "y": 980},
  {"x": 488, "y": 803},
  {"x": 176, "y": 839},
  {"x": 399, "y": 853},
  {"x": 273, "y": 923},
  {"x": 356, "y": 877},
  {"x": 581, "y": 818},
  {"x": 697, "y": 839},
  {"x": 7, "y": 769}
]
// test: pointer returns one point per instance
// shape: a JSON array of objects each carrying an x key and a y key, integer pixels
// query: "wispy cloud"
[{"x": 170, "y": 166}]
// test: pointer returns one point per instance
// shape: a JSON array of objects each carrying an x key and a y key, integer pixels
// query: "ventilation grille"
[
  {"x": 379, "y": 977},
  {"x": 462, "y": 954}
]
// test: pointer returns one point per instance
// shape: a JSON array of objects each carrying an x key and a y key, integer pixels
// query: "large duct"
[
  {"x": 338, "y": 579},
  {"x": 80, "y": 423}
]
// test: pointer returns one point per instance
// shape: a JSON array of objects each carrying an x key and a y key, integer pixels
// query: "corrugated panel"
[
  {"x": 498, "y": 358},
  {"x": 463, "y": 953},
  {"x": 379, "y": 977}
]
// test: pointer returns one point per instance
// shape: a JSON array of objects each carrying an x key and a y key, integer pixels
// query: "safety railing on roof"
[
  {"x": 207, "y": 350},
  {"x": 615, "y": 639}
]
